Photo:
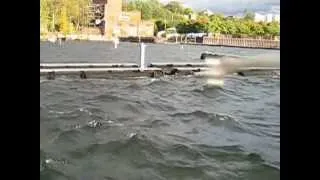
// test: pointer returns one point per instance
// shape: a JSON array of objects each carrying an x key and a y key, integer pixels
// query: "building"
[
  {"x": 266, "y": 18},
  {"x": 259, "y": 17},
  {"x": 129, "y": 23},
  {"x": 207, "y": 12},
  {"x": 276, "y": 18},
  {"x": 192, "y": 16},
  {"x": 115, "y": 22},
  {"x": 269, "y": 18}
]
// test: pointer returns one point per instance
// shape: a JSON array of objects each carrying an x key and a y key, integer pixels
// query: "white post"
[
  {"x": 115, "y": 42},
  {"x": 142, "y": 55}
]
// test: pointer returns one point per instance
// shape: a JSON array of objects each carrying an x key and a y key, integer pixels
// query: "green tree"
[
  {"x": 44, "y": 15},
  {"x": 187, "y": 11},
  {"x": 272, "y": 29},
  {"x": 160, "y": 25},
  {"x": 242, "y": 28},
  {"x": 51, "y": 12},
  {"x": 229, "y": 27},
  {"x": 215, "y": 24},
  {"x": 191, "y": 27},
  {"x": 248, "y": 15},
  {"x": 256, "y": 29},
  {"x": 146, "y": 11},
  {"x": 61, "y": 13},
  {"x": 77, "y": 10},
  {"x": 64, "y": 25},
  {"x": 150, "y": 9},
  {"x": 175, "y": 7}
]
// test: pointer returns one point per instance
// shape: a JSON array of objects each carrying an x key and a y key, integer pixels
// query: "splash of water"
[{"x": 218, "y": 68}]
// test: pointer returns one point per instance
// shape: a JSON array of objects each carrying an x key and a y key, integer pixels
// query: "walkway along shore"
[
  {"x": 242, "y": 42},
  {"x": 206, "y": 41}
]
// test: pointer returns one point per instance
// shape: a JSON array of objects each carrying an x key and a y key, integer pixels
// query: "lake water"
[{"x": 167, "y": 128}]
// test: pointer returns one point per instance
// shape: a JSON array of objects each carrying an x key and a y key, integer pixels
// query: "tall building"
[
  {"x": 112, "y": 14},
  {"x": 119, "y": 23}
]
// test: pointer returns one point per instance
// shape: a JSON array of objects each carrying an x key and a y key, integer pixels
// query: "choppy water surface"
[{"x": 168, "y": 128}]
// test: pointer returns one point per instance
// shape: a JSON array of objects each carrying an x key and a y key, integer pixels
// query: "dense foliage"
[
  {"x": 174, "y": 14},
  {"x": 63, "y": 15},
  {"x": 70, "y": 15}
]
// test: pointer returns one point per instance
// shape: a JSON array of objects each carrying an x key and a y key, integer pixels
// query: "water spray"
[{"x": 219, "y": 67}]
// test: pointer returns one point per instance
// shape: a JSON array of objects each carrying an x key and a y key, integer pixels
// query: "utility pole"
[
  {"x": 53, "y": 23},
  {"x": 126, "y": 5},
  {"x": 165, "y": 24}
]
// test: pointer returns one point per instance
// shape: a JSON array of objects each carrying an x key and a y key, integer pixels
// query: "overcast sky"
[{"x": 234, "y": 6}]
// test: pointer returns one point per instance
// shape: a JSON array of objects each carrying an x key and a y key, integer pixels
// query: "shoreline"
[
  {"x": 230, "y": 46},
  {"x": 99, "y": 38}
]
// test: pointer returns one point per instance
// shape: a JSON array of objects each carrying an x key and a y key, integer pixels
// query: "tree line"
[
  {"x": 71, "y": 15},
  {"x": 175, "y": 15},
  {"x": 64, "y": 15}
]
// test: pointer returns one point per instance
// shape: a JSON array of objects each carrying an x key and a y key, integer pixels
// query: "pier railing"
[{"x": 242, "y": 42}]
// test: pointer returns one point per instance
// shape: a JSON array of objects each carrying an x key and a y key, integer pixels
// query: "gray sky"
[{"x": 234, "y": 6}]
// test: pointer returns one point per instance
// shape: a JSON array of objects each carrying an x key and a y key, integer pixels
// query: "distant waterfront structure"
[
  {"x": 259, "y": 17},
  {"x": 120, "y": 23},
  {"x": 207, "y": 12},
  {"x": 192, "y": 16},
  {"x": 276, "y": 18},
  {"x": 266, "y": 18}
]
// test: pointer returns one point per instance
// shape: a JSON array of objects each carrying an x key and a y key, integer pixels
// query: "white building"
[
  {"x": 269, "y": 18},
  {"x": 259, "y": 17},
  {"x": 191, "y": 16},
  {"x": 276, "y": 18},
  {"x": 266, "y": 18},
  {"x": 207, "y": 12}
]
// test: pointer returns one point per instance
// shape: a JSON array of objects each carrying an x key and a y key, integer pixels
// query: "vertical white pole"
[
  {"x": 142, "y": 55},
  {"x": 115, "y": 42}
]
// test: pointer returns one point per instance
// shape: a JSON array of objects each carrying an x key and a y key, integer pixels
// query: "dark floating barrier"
[
  {"x": 138, "y": 39},
  {"x": 178, "y": 64},
  {"x": 85, "y": 71},
  {"x": 113, "y": 72},
  {"x": 206, "y": 55},
  {"x": 85, "y": 65}
]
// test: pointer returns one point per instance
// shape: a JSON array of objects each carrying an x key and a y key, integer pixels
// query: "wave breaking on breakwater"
[{"x": 220, "y": 67}]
